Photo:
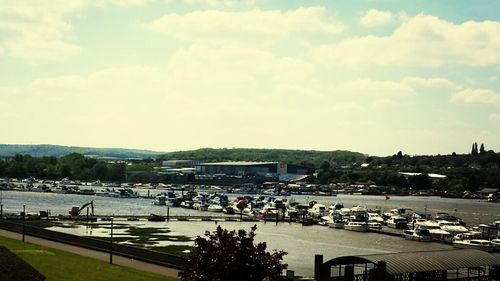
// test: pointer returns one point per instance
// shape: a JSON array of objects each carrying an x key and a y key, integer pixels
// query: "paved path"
[{"x": 117, "y": 260}]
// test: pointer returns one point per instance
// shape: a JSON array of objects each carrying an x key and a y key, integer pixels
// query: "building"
[
  {"x": 251, "y": 169},
  {"x": 441, "y": 265},
  {"x": 179, "y": 163}
]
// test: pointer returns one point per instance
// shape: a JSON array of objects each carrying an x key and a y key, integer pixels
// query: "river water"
[{"x": 301, "y": 242}]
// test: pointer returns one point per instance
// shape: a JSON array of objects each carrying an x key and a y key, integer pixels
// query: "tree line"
[
  {"x": 463, "y": 172},
  {"x": 307, "y": 158},
  {"x": 73, "y": 166},
  {"x": 472, "y": 171}
]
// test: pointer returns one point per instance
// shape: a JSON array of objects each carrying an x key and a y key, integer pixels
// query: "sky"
[{"x": 376, "y": 77}]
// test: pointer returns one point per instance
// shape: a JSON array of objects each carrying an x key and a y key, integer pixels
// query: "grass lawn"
[{"x": 59, "y": 265}]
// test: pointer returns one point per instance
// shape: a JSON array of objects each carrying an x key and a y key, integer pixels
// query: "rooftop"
[
  {"x": 241, "y": 163},
  {"x": 424, "y": 261}
]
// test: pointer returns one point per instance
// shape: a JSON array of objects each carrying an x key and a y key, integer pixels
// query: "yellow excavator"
[{"x": 75, "y": 211}]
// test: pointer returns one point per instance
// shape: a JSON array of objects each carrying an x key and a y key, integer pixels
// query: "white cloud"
[
  {"x": 8, "y": 92},
  {"x": 374, "y": 18},
  {"x": 422, "y": 41},
  {"x": 481, "y": 96},
  {"x": 494, "y": 116},
  {"x": 419, "y": 82},
  {"x": 368, "y": 87},
  {"x": 252, "y": 26},
  {"x": 234, "y": 70},
  {"x": 385, "y": 104},
  {"x": 37, "y": 30},
  {"x": 347, "y": 107},
  {"x": 221, "y": 3}
]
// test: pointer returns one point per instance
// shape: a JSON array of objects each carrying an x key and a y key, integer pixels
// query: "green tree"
[
  {"x": 232, "y": 255},
  {"x": 99, "y": 171},
  {"x": 421, "y": 181}
]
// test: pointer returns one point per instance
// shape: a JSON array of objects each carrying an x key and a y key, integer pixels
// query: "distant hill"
[
  {"x": 310, "y": 158},
  {"x": 40, "y": 150}
]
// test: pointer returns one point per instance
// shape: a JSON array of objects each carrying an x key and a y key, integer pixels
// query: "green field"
[{"x": 59, "y": 265}]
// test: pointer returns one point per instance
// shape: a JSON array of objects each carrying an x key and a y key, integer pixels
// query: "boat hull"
[{"x": 356, "y": 227}]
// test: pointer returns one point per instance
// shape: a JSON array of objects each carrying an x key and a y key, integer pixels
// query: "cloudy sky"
[{"x": 369, "y": 76}]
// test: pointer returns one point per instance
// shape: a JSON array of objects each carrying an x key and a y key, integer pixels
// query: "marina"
[{"x": 301, "y": 242}]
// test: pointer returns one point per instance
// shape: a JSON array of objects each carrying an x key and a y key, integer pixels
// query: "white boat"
[
  {"x": 332, "y": 221},
  {"x": 200, "y": 206},
  {"x": 398, "y": 222},
  {"x": 496, "y": 243},
  {"x": 108, "y": 192},
  {"x": 359, "y": 226},
  {"x": 215, "y": 208},
  {"x": 187, "y": 204},
  {"x": 268, "y": 213},
  {"x": 452, "y": 227},
  {"x": 422, "y": 235},
  {"x": 374, "y": 225},
  {"x": 337, "y": 223},
  {"x": 247, "y": 211},
  {"x": 478, "y": 244},
  {"x": 374, "y": 217},
  {"x": 358, "y": 208},
  {"x": 127, "y": 193},
  {"x": 434, "y": 229},
  {"x": 317, "y": 211},
  {"x": 160, "y": 200}
]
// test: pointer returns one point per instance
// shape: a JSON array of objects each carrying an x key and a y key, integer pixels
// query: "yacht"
[
  {"x": 160, "y": 200},
  {"x": 337, "y": 223},
  {"x": 215, "y": 208},
  {"x": 496, "y": 243},
  {"x": 317, "y": 211},
  {"x": 398, "y": 222},
  {"x": 108, "y": 192},
  {"x": 478, "y": 244},
  {"x": 268, "y": 213},
  {"x": 200, "y": 206},
  {"x": 447, "y": 217},
  {"x": 434, "y": 229},
  {"x": 452, "y": 227},
  {"x": 422, "y": 235},
  {"x": 374, "y": 217},
  {"x": 373, "y": 225},
  {"x": 127, "y": 193},
  {"x": 359, "y": 226},
  {"x": 332, "y": 220}
]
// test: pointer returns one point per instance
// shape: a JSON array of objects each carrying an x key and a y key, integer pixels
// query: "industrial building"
[{"x": 252, "y": 169}]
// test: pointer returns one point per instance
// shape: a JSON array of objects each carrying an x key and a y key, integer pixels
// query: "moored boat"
[
  {"x": 337, "y": 223},
  {"x": 359, "y": 226},
  {"x": 452, "y": 227},
  {"x": 434, "y": 229},
  {"x": 215, "y": 208},
  {"x": 398, "y": 222},
  {"x": 155, "y": 217},
  {"x": 422, "y": 235},
  {"x": 496, "y": 243},
  {"x": 373, "y": 225},
  {"x": 478, "y": 244}
]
